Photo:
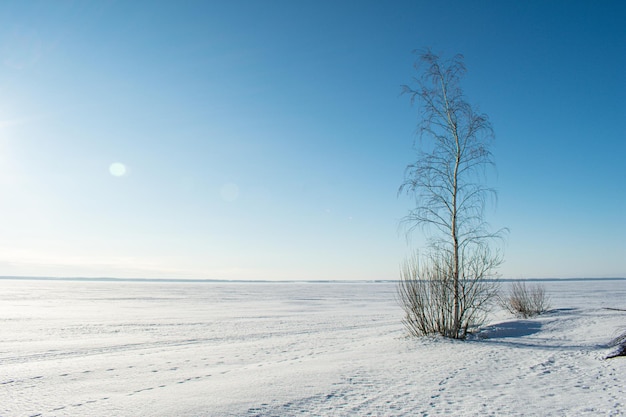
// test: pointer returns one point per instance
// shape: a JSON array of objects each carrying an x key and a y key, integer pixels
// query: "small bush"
[
  {"x": 620, "y": 342},
  {"x": 525, "y": 301},
  {"x": 426, "y": 294}
]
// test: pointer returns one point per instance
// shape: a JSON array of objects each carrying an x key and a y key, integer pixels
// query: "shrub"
[
  {"x": 525, "y": 301},
  {"x": 620, "y": 342},
  {"x": 426, "y": 294}
]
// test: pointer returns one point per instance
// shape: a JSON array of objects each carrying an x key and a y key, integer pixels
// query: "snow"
[{"x": 309, "y": 349}]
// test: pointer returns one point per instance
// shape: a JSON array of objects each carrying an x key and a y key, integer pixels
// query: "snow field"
[{"x": 307, "y": 349}]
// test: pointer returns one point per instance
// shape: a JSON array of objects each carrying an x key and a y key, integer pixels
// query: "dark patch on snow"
[
  {"x": 621, "y": 351},
  {"x": 517, "y": 328}
]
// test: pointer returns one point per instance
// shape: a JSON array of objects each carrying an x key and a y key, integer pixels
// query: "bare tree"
[{"x": 446, "y": 181}]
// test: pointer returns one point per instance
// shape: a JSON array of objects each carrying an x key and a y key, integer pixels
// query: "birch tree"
[{"x": 447, "y": 181}]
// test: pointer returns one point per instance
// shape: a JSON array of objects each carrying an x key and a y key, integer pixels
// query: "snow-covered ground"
[{"x": 286, "y": 349}]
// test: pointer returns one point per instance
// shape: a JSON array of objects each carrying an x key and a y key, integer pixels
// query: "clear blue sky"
[{"x": 267, "y": 139}]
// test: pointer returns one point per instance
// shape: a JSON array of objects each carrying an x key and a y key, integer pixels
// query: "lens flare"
[{"x": 117, "y": 169}]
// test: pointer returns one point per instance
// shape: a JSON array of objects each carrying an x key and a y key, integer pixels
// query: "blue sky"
[{"x": 267, "y": 139}]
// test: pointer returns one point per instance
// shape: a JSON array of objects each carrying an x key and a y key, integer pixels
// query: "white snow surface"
[{"x": 307, "y": 349}]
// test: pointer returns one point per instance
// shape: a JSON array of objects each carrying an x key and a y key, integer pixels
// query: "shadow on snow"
[
  {"x": 518, "y": 328},
  {"x": 513, "y": 333}
]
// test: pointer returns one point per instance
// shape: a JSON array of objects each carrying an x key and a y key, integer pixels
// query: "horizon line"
[{"x": 208, "y": 280}]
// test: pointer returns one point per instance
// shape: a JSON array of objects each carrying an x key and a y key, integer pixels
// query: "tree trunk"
[
  {"x": 453, "y": 229},
  {"x": 455, "y": 259}
]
